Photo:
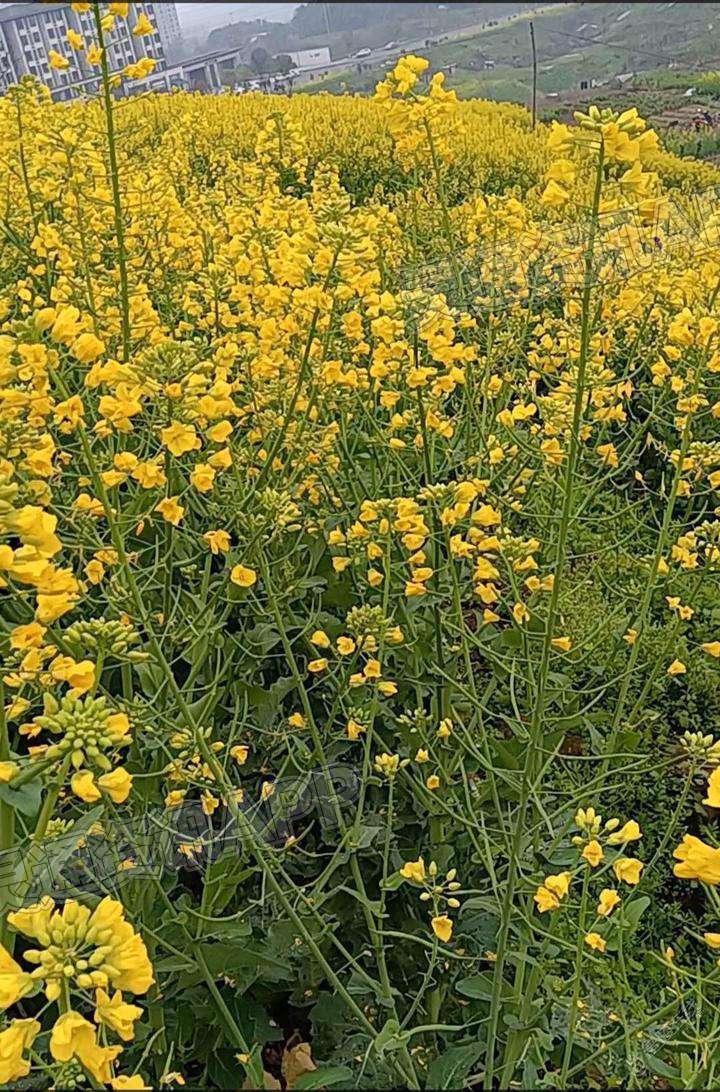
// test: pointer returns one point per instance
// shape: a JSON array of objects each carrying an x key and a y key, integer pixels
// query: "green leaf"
[
  {"x": 480, "y": 986},
  {"x": 367, "y": 835},
  {"x": 660, "y": 1067},
  {"x": 390, "y": 1037},
  {"x": 25, "y": 799},
  {"x": 392, "y": 882},
  {"x": 330, "y": 1011},
  {"x": 628, "y": 741},
  {"x": 325, "y": 1077},
  {"x": 633, "y": 911},
  {"x": 266, "y": 703},
  {"x": 55, "y": 855},
  {"x": 222, "y": 879},
  {"x": 222, "y": 958},
  {"x": 507, "y": 754},
  {"x": 151, "y": 678},
  {"x": 479, "y": 923},
  {"x": 172, "y": 964},
  {"x": 510, "y": 638},
  {"x": 450, "y": 1069},
  {"x": 686, "y": 1069},
  {"x": 263, "y": 637}
]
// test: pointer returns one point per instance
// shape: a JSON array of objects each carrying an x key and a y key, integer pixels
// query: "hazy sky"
[{"x": 198, "y": 17}]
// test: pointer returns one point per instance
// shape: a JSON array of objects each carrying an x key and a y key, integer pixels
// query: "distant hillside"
[
  {"x": 582, "y": 43},
  {"x": 639, "y": 35},
  {"x": 576, "y": 44},
  {"x": 347, "y": 27},
  {"x": 314, "y": 18}
]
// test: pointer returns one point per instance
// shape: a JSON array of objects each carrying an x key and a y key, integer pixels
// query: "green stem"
[
  {"x": 642, "y": 616},
  {"x": 577, "y": 978},
  {"x": 254, "y": 1064},
  {"x": 529, "y": 768},
  {"x": 115, "y": 183},
  {"x": 7, "y": 821},
  {"x": 36, "y": 843},
  {"x": 270, "y": 873}
]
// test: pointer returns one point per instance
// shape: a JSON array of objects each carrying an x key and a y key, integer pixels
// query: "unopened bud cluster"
[
  {"x": 88, "y": 729},
  {"x": 589, "y": 823},
  {"x": 369, "y": 625},
  {"x": 72, "y": 950},
  {"x": 441, "y": 889},
  {"x": 704, "y": 747},
  {"x": 388, "y": 765},
  {"x": 627, "y": 122},
  {"x": 70, "y": 1076},
  {"x": 105, "y": 636}
]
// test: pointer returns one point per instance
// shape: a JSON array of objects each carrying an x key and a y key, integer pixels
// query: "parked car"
[{"x": 363, "y": 52}]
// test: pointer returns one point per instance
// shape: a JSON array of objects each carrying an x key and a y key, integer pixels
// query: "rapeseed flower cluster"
[{"x": 344, "y": 433}]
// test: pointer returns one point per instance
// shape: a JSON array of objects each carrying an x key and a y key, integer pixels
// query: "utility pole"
[
  {"x": 326, "y": 12},
  {"x": 534, "y": 77}
]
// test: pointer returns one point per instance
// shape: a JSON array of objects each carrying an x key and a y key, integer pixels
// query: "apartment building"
[
  {"x": 168, "y": 24},
  {"x": 29, "y": 31}
]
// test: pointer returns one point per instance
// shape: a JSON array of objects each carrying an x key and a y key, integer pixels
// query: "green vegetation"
[{"x": 576, "y": 43}]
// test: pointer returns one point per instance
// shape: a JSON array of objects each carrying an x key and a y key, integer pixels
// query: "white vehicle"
[
  {"x": 390, "y": 45},
  {"x": 363, "y": 52}
]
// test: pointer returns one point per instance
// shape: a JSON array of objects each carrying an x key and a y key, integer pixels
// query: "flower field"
[{"x": 359, "y": 497}]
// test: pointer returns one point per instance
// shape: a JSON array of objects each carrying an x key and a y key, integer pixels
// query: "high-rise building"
[
  {"x": 29, "y": 31},
  {"x": 167, "y": 22},
  {"x": 8, "y": 74}
]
